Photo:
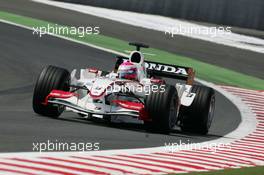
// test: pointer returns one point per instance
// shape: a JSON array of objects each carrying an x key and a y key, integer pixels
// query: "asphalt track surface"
[
  {"x": 244, "y": 61},
  {"x": 23, "y": 55}
]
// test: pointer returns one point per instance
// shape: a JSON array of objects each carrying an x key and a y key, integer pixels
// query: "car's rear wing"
[
  {"x": 170, "y": 71},
  {"x": 165, "y": 70}
]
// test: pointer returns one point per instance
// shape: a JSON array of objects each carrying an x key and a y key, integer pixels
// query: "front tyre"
[
  {"x": 198, "y": 117},
  {"x": 49, "y": 79},
  {"x": 162, "y": 107}
]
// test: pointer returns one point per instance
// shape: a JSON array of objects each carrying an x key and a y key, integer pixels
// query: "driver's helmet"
[{"x": 127, "y": 70}]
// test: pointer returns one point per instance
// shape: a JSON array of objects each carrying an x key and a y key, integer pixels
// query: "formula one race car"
[{"x": 134, "y": 88}]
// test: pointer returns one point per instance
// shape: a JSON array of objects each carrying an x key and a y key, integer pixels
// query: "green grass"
[
  {"x": 242, "y": 171},
  {"x": 204, "y": 71}
]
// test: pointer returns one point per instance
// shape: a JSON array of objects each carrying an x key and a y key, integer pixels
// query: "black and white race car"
[{"x": 134, "y": 88}]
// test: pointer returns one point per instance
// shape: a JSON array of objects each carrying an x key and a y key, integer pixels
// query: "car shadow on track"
[{"x": 176, "y": 132}]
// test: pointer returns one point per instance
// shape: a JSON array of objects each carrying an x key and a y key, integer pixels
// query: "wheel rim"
[{"x": 211, "y": 112}]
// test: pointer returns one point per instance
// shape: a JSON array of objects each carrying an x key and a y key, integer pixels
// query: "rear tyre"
[
  {"x": 162, "y": 107},
  {"x": 198, "y": 117},
  {"x": 49, "y": 79}
]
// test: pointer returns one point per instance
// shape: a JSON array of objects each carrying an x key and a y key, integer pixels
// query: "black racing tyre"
[
  {"x": 49, "y": 79},
  {"x": 162, "y": 107},
  {"x": 198, "y": 117}
]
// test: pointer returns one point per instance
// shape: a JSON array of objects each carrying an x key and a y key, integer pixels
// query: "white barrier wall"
[{"x": 242, "y": 13}]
